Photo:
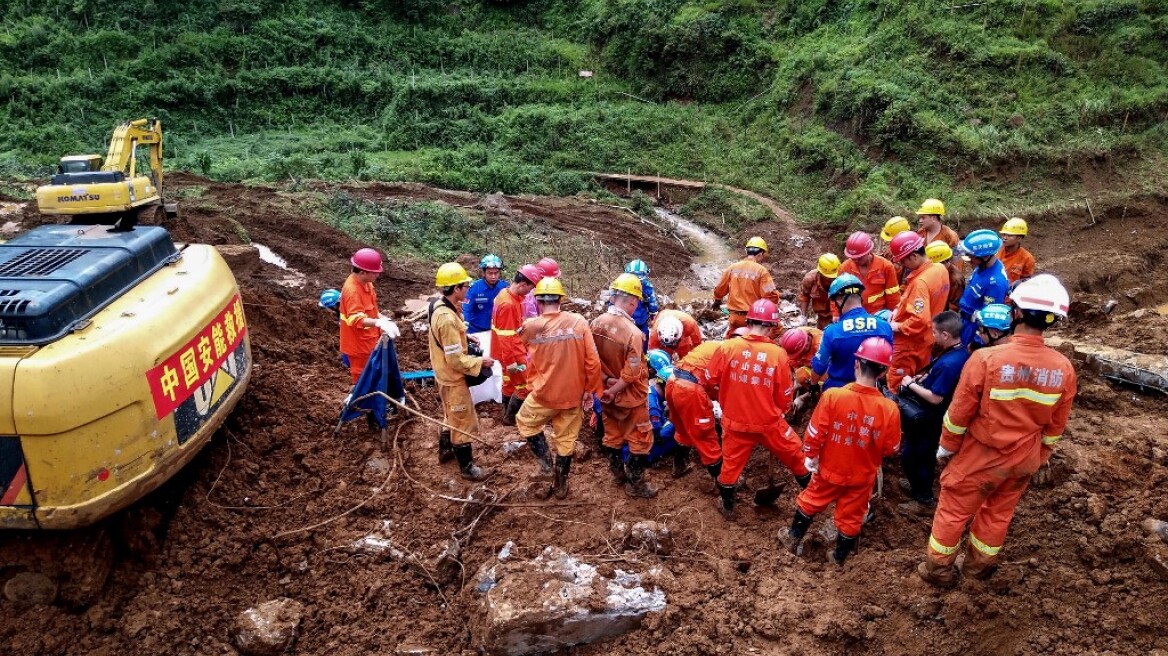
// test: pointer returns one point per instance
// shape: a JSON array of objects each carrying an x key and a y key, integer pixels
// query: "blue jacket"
[
  {"x": 836, "y": 355},
  {"x": 663, "y": 431},
  {"x": 646, "y": 307},
  {"x": 985, "y": 286},
  {"x": 480, "y": 301}
]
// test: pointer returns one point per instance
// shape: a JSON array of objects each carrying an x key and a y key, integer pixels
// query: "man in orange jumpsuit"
[
  {"x": 892, "y": 228},
  {"x": 745, "y": 281},
  {"x": 506, "y": 318},
  {"x": 881, "y": 283},
  {"x": 813, "y": 295},
  {"x": 625, "y": 400},
  {"x": 691, "y": 408},
  {"x": 940, "y": 252},
  {"x": 853, "y": 429},
  {"x": 361, "y": 324},
  {"x": 674, "y": 332},
  {"x": 931, "y": 228},
  {"x": 1018, "y": 261},
  {"x": 565, "y": 372},
  {"x": 1010, "y": 409},
  {"x": 926, "y": 294},
  {"x": 753, "y": 378},
  {"x": 801, "y": 345}
]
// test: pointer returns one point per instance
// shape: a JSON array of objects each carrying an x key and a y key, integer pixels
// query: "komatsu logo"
[{"x": 78, "y": 199}]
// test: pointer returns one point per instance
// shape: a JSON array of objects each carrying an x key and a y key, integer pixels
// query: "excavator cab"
[{"x": 79, "y": 164}]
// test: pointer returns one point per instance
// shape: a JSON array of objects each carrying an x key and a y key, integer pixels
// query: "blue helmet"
[
  {"x": 637, "y": 268},
  {"x": 665, "y": 373},
  {"x": 981, "y": 243},
  {"x": 885, "y": 315},
  {"x": 330, "y": 299},
  {"x": 997, "y": 316},
  {"x": 659, "y": 359},
  {"x": 846, "y": 283},
  {"x": 491, "y": 261}
]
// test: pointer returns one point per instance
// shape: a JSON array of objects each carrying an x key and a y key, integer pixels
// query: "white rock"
[{"x": 268, "y": 629}]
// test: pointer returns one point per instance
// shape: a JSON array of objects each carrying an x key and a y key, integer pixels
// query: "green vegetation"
[
  {"x": 724, "y": 212},
  {"x": 839, "y": 109}
]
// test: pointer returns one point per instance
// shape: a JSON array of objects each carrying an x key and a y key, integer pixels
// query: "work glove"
[
  {"x": 717, "y": 410},
  {"x": 812, "y": 464},
  {"x": 387, "y": 326},
  {"x": 943, "y": 455}
]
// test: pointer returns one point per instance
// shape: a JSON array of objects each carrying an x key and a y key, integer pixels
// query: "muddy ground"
[{"x": 258, "y": 515}]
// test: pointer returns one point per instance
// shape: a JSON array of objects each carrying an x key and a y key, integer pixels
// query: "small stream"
[{"x": 714, "y": 255}]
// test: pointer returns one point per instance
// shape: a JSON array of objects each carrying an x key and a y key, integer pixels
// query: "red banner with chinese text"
[{"x": 177, "y": 377}]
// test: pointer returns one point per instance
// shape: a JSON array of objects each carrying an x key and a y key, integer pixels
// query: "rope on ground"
[{"x": 419, "y": 414}]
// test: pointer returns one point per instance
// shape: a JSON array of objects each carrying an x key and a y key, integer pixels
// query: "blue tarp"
[{"x": 381, "y": 374}]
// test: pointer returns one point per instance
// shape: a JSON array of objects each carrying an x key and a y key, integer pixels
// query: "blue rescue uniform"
[
  {"x": 836, "y": 355},
  {"x": 985, "y": 286},
  {"x": 647, "y": 307},
  {"x": 480, "y": 301}
]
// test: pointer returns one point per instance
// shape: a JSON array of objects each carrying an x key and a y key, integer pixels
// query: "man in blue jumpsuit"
[
  {"x": 480, "y": 298},
  {"x": 648, "y": 307},
  {"x": 836, "y": 356},
  {"x": 987, "y": 284}
]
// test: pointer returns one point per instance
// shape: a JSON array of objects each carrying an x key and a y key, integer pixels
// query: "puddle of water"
[
  {"x": 416, "y": 305},
  {"x": 714, "y": 255},
  {"x": 294, "y": 279}
]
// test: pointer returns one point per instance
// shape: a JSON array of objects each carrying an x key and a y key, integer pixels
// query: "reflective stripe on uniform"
[
  {"x": 940, "y": 548},
  {"x": 351, "y": 319},
  {"x": 982, "y": 546},
  {"x": 1025, "y": 393},
  {"x": 954, "y": 428},
  {"x": 1049, "y": 440},
  {"x": 504, "y": 333},
  {"x": 892, "y": 290},
  {"x": 875, "y": 297}
]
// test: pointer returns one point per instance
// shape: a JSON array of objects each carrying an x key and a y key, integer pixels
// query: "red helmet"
[
  {"x": 531, "y": 272},
  {"x": 876, "y": 350},
  {"x": 367, "y": 259},
  {"x": 549, "y": 267},
  {"x": 858, "y": 245},
  {"x": 763, "y": 310},
  {"x": 795, "y": 341},
  {"x": 905, "y": 244}
]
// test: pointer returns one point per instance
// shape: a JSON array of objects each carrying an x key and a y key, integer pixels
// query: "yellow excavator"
[{"x": 124, "y": 190}]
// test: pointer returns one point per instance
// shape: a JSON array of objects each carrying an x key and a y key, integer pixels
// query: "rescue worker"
[
  {"x": 361, "y": 323},
  {"x": 940, "y": 252},
  {"x": 624, "y": 401},
  {"x": 801, "y": 345},
  {"x": 926, "y": 292},
  {"x": 452, "y": 362},
  {"x": 648, "y": 308},
  {"x": 688, "y": 395},
  {"x": 547, "y": 268},
  {"x": 836, "y": 354},
  {"x": 744, "y": 282},
  {"x": 852, "y": 430},
  {"x": 931, "y": 228},
  {"x": 987, "y": 283},
  {"x": 892, "y": 227},
  {"x": 664, "y": 431},
  {"x": 934, "y": 389},
  {"x": 880, "y": 278},
  {"x": 1018, "y": 261},
  {"x": 994, "y": 323},
  {"x": 506, "y": 345},
  {"x": 813, "y": 289},
  {"x": 675, "y": 332},
  {"x": 564, "y": 374},
  {"x": 480, "y": 298},
  {"x": 1009, "y": 412},
  {"x": 753, "y": 378},
  {"x": 330, "y": 299}
]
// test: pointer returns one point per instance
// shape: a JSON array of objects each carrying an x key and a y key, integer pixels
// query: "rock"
[
  {"x": 1157, "y": 528},
  {"x": 413, "y": 650},
  {"x": 618, "y": 533},
  {"x": 1157, "y": 554},
  {"x": 871, "y": 612},
  {"x": 555, "y": 601},
  {"x": 1096, "y": 508},
  {"x": 497, "y": 204},
  {"x": 268, "y": 629},
  {"x": 377, "y": 467},
  {"x": 1016, "y": 121},
  {"x": 652, "y": 537},
  {"x": 30, "y": 589}
]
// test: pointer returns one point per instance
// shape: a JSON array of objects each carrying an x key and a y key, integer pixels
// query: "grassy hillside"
[{"x": 840, "y": 109}]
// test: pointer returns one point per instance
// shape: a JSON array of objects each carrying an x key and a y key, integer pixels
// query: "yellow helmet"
[
  {"x": 627, "y": 283},
  {"x": 938, "y": 251},
  {"x": 549, "y": 287},
  {"x": 932, "y": 206},
  {"x": 451, "y": 274},
  {"x": 894, "y": 227},
  {"x": 828, "y": 265},
  {"x": 1015, "y": 226},
  {"x": 756, "y": 242}
]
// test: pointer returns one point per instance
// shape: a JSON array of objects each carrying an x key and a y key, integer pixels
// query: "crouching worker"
[
  {"x": 853, "y": 428},
  {"x": 564, "y": 373}
]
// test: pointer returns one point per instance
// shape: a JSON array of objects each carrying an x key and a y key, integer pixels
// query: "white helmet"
[
  {"x": 669, "y": 330},
  {"x": 1042, "y": 293}
]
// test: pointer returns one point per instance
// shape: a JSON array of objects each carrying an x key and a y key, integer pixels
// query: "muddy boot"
[
  {"x": 715, "y": 469},
  {"x": 803, "y": 480},
  {"x": 726, "y": 505},
  {"x": 470, "y": 471},
  {"x": 539, "y": 448},
  {"x": 681, "y": 461},
  {"x": 937, "y": 574},
  {"x": 560, "y": 487},
  {"x": 445, "y": 448},
  {"x": 637, "y": 487},
  {"x": 791, "y": 538},
  {"x": 977, "y": 566},
  {"x": 514, "y": 403},
  {"x": 615, "y": 465},
  {"x": 843, "y": 546}
]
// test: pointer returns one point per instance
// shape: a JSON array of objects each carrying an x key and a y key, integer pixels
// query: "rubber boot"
[
  {"x": 792, "y": 537},
  {"x": 727, "y": 503},
  {"x": 978, "y": 566},
  {"x": 616, "y": 465},
  {"x": 559, "y": 488},
  {"x": 637, "y": 487},
  {"x": 681, "y": 461},
  {"x": 511, "y": 409},
  {"x": 715, "y": 469},
  {"x": 843, "y": 546},
  {"x": 445, "y": 448},
  {"x": 803, "y": 480},
  {"x": 470, "y": 471},
  {"x": 937, "y": 574},
  {"x": 539, "y": 448}
]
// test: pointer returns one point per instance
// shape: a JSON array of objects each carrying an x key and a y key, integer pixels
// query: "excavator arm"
[{"x": 124, "y": 142}]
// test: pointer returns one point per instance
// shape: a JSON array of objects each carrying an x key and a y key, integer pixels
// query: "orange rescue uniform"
[
  {"x": 1019, "y": 265},
  {"x": 691, "y": 333},
  {"x": 690, "y": 407},
  {"x": 358, "y": 302},
  {"x": 506, "y": 345},
  {"x": 947, "y": 235},
  {"x": 926, "y": 294},
  {"x": 956, "y": 284},
  {"x": 620, "y": 345},
  {"x": 813, "y": 293},
  {"x": 852, "y": 430},
  {"x": 743, "y": 283},
  {"x": 753, "y": 378},
  {"x": 801, "y": 364},
  {"x": 881, "y": 284},
  {"x": 1008, "y": 412},
  {"x": 452, "y": 363}
]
